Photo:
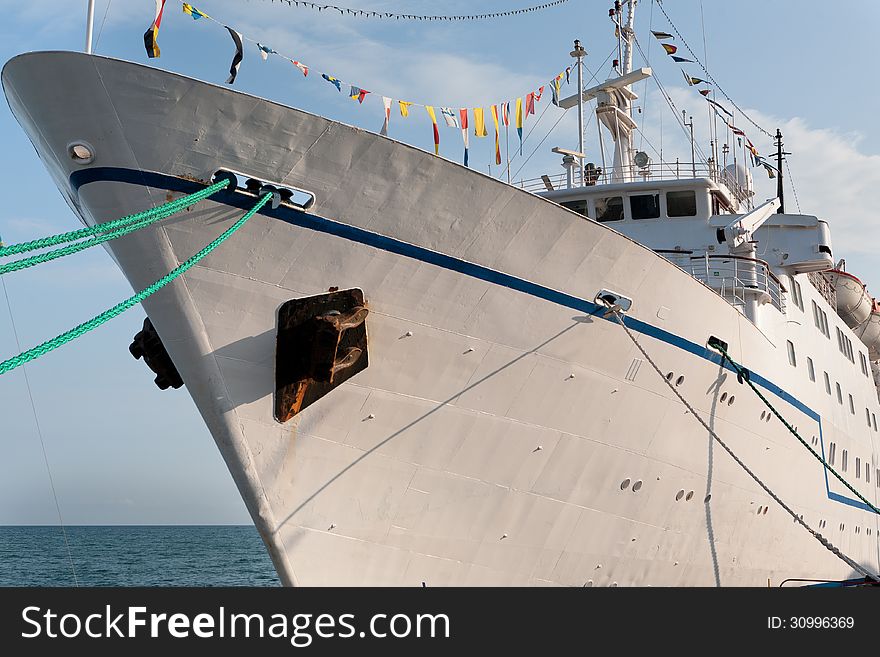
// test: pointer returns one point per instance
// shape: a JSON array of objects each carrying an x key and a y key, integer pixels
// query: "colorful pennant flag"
[
  {"x": 705, "y": 92},
  {"x": 681, "y": 60},
  {"x": 192, "y": 11},
  {"x": 404, "y": 108},
  {"x": 555, "y": 88},
  {"x": 386, "y": 103},
  {"x": 736, "y": 130},
  {"x": 357, "y": 92},
  {"x": 505, "y": 114},
  {"x": 538, "y": 94},
  {"x": 669, "y": 48},
  {"x": 770, "y": 172},
  {"x": 302, "y": 67},
  {"x": 530, "y": 103},
  {"x": 449, "y": 116},
  {"x": 265, "y": 51},
  {"x": 334, "y": 81},
  {"x": 479, "y": 123},
  {"x": 719, "y": 106},
  {"x": 463, "y": 113},
  {"x": 691, "y": 81},
  {"x": 519, "y": 122},
  {"x": 661, "y": 35},
  {"x": 151, "y": 36},
  {"x": 433, "y": 116},
  {"x": 497, "y": 143},
  {"x": 567, "y": 71},
  {"x": 239, "y": 55}
]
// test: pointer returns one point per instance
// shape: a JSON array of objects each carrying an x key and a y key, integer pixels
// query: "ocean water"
[{"x": 135, "y": 556}]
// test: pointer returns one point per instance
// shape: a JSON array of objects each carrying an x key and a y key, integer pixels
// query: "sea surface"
[{"x": 135, "y": 556}]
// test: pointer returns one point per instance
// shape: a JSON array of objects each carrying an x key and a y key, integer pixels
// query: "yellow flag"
[
  {"x": 433, "y": 116},
  {"x": 479, "y": 123},
  {"x": 404, "y": 108}
]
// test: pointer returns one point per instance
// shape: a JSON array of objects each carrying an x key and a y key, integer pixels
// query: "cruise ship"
[{"x": 421, "y": 375}]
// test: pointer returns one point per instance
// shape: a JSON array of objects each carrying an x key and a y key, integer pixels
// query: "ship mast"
[
  {"x": 614, "y": 101},
  {"x": 90, "y": 22}
]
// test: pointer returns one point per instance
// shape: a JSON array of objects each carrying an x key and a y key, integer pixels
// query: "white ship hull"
[{"x": 488, "y": 440}]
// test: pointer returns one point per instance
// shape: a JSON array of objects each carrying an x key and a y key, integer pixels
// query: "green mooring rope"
[
  {"x": 144, "y": 218},
  {"x": 118, "y": 309},
  {"x": 744, "y": 375}
]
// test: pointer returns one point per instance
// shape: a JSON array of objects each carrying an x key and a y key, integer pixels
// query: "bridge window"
[
  {"x": 867, "y": 472},
  {"x": 827, "y": 383},
  {"x": 609, "y": 209},
  {"x": 852, "y": 407},
  {"x": 868, "y": 417},
  {"x": 844, "y": 461},
  {"x": 681, "y": 204},
  {"x": 832, "y": 451},
  {"x": 864, "y": 363},
  {"x": 645, "y": 206},
  {"x": 820, "y": 319},
  {"x": 810, "y": 369},
  {"x": 839, "y": 394},
  {"x": 792, "y": 358},
  {"x": 579, "y": 206},
  {"x": 858, "y": 468},
  {"x": 874, "y": 421}
]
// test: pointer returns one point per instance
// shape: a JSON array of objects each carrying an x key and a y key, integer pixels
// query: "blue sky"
[{"x": 120, "y": 450}]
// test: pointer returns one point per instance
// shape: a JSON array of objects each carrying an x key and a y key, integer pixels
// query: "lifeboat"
[
  {"x": 869, "y": 331},
  {"x": 854, "y": 304}
]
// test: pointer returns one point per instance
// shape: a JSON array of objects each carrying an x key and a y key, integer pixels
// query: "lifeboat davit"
[
  {"x": 869, "y": 331},
  {"x": 854, "y": 304}
]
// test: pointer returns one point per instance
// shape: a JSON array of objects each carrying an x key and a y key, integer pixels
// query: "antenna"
[
  {"x": 90, "y": 23},
  {"x": 779, "y": 159},
  {"x": 578, "y": 53}
]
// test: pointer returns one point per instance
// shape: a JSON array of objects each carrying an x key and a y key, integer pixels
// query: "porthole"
[
  {"x": 624, "y": 484},
  {"x": 669, "y": 376},
  {"x": 679, "y": 495},
  {"x": 730, "y": 401},
  {"x": 637, "y": 486},
  {"x": 723, "y": 397},
  {"x": 81, "y": 152},
  {"x": 707, "y": 498},
  {"x": 679, "y": 380},
  {"x": 689, "y": 496},
  {"x": 763, "y": 415},
  {"x": 759, "y": 509},
  {"x": 765, "y": 510}
]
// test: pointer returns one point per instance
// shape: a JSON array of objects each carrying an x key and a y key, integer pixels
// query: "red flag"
[{"x": 530, "y": 103}]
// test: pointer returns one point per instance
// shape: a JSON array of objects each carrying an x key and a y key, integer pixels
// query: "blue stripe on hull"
[{"x": 346, "y": 231}]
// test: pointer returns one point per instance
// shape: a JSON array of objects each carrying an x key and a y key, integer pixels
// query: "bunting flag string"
[
  {"x": 151, "y": 36},
  {"x": 363, "y": 13},
  {"x": 719, "y": 109},
  {"x": 360, "y": 94}
]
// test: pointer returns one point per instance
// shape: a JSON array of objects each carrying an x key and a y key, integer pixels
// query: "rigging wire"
[
  {"x": 791, "y": 182},
  {"x": 709, "y": 75},
  {"x": 40, "y": 434},
  {"x": 387, "y": 15},
  {"x": 613, "y": 311},
  {"x": 103, "y": 20}
]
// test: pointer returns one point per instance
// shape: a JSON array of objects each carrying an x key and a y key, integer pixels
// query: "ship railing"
[
  {"x": 823, "y": 285},
  {"x": 655, "y": 171},
  {"x": 735, "y": 278}
]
